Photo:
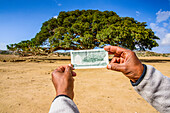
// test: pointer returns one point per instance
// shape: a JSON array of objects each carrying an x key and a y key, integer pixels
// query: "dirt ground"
[{"x": 26, "y": 87}]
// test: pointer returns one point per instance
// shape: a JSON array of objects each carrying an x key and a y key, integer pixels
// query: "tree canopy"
[{"x": 87, "y": 29}]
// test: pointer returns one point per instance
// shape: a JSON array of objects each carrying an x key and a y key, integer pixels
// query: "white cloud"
[
  {"x": 160, "y": 31},
  {"x": 137, "y": 13},
  {"x": 3, "y": 46},
  {"x": 162, "y": 15},
  {"x": 55, "y": 16},
  {"x": 166, "y": 40},
  {"x": 161, "y": 28},
  {"x": 165, "y": 24},
  {"x": 59, "y": 4}
]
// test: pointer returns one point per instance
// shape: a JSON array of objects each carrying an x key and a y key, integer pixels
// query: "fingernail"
[
  {"x": 109, "y": 66},
  {"x": 70, "y": 65}
]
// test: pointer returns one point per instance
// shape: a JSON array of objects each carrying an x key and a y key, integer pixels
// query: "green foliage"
[{"x": 87, "y": 29}]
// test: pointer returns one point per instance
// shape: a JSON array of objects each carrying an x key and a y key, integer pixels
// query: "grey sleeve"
[
  {"x": 155, "y": 89},
  {"x": 63, "y": 104}
]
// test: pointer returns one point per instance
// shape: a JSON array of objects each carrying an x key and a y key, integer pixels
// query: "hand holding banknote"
[
  {"x": 126, "y": 62},
  {"x": 63, "y": 80}
]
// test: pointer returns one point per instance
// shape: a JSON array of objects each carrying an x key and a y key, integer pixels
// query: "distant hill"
[
  {"x": 6, "y": 52},
  {"x": 149, "y": 53}
]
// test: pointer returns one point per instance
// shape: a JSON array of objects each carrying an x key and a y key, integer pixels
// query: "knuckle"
[
  {"x": 53, "y": 74},
  {"x": 125, "y": 69},
  {"x": 114, "y": 67}
]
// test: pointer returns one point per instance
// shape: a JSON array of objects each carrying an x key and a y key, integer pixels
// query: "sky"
[{"x": 22, "y": 19}]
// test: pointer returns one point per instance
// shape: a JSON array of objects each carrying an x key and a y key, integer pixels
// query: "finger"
[
  {"x": 71, "y": 65},
  {"x": 116, "y": 67},
  {"x": 122, "y": 60},
  {"x": 74, "y": 74},
  {"x": 64, "y": 67},
  {"x": 110, "y": 53},
  {"x": 114, "y": 49},
  {"x": 72, "y": 68},
  {"x": 68, "y": 70},
  {"x": 117, "y": 55},
  {"x": 115, "y": 60},
  {"x": 60, "y": 69}
]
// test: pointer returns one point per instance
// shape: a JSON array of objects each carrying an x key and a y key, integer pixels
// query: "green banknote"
[{"x": 95, "y": 58}]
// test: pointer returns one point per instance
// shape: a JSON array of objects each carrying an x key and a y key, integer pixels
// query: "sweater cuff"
[
  {"x": 141, "y": 77},
  {"x": 61, "y": 96}
]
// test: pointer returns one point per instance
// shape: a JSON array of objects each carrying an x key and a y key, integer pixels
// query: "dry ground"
[{"x": 26, "y": 87}]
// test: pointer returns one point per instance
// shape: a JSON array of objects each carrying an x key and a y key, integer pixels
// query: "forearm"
[
  {"x": 155, "y": 89},
  {"x": 63, "y": 104}
]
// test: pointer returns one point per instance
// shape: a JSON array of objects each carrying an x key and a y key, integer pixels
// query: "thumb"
[
  {"x": 116, "y": 67},
  {"x": 68, "y": 70}
]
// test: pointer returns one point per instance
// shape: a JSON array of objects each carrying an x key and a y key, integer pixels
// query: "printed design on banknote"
[{"x": 96, "y": 58}]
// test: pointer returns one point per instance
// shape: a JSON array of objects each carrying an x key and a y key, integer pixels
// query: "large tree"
[{"x": 87, "y": 29}]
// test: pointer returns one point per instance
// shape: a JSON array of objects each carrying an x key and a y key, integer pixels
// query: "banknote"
[{"x": 95, "y": 58}]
